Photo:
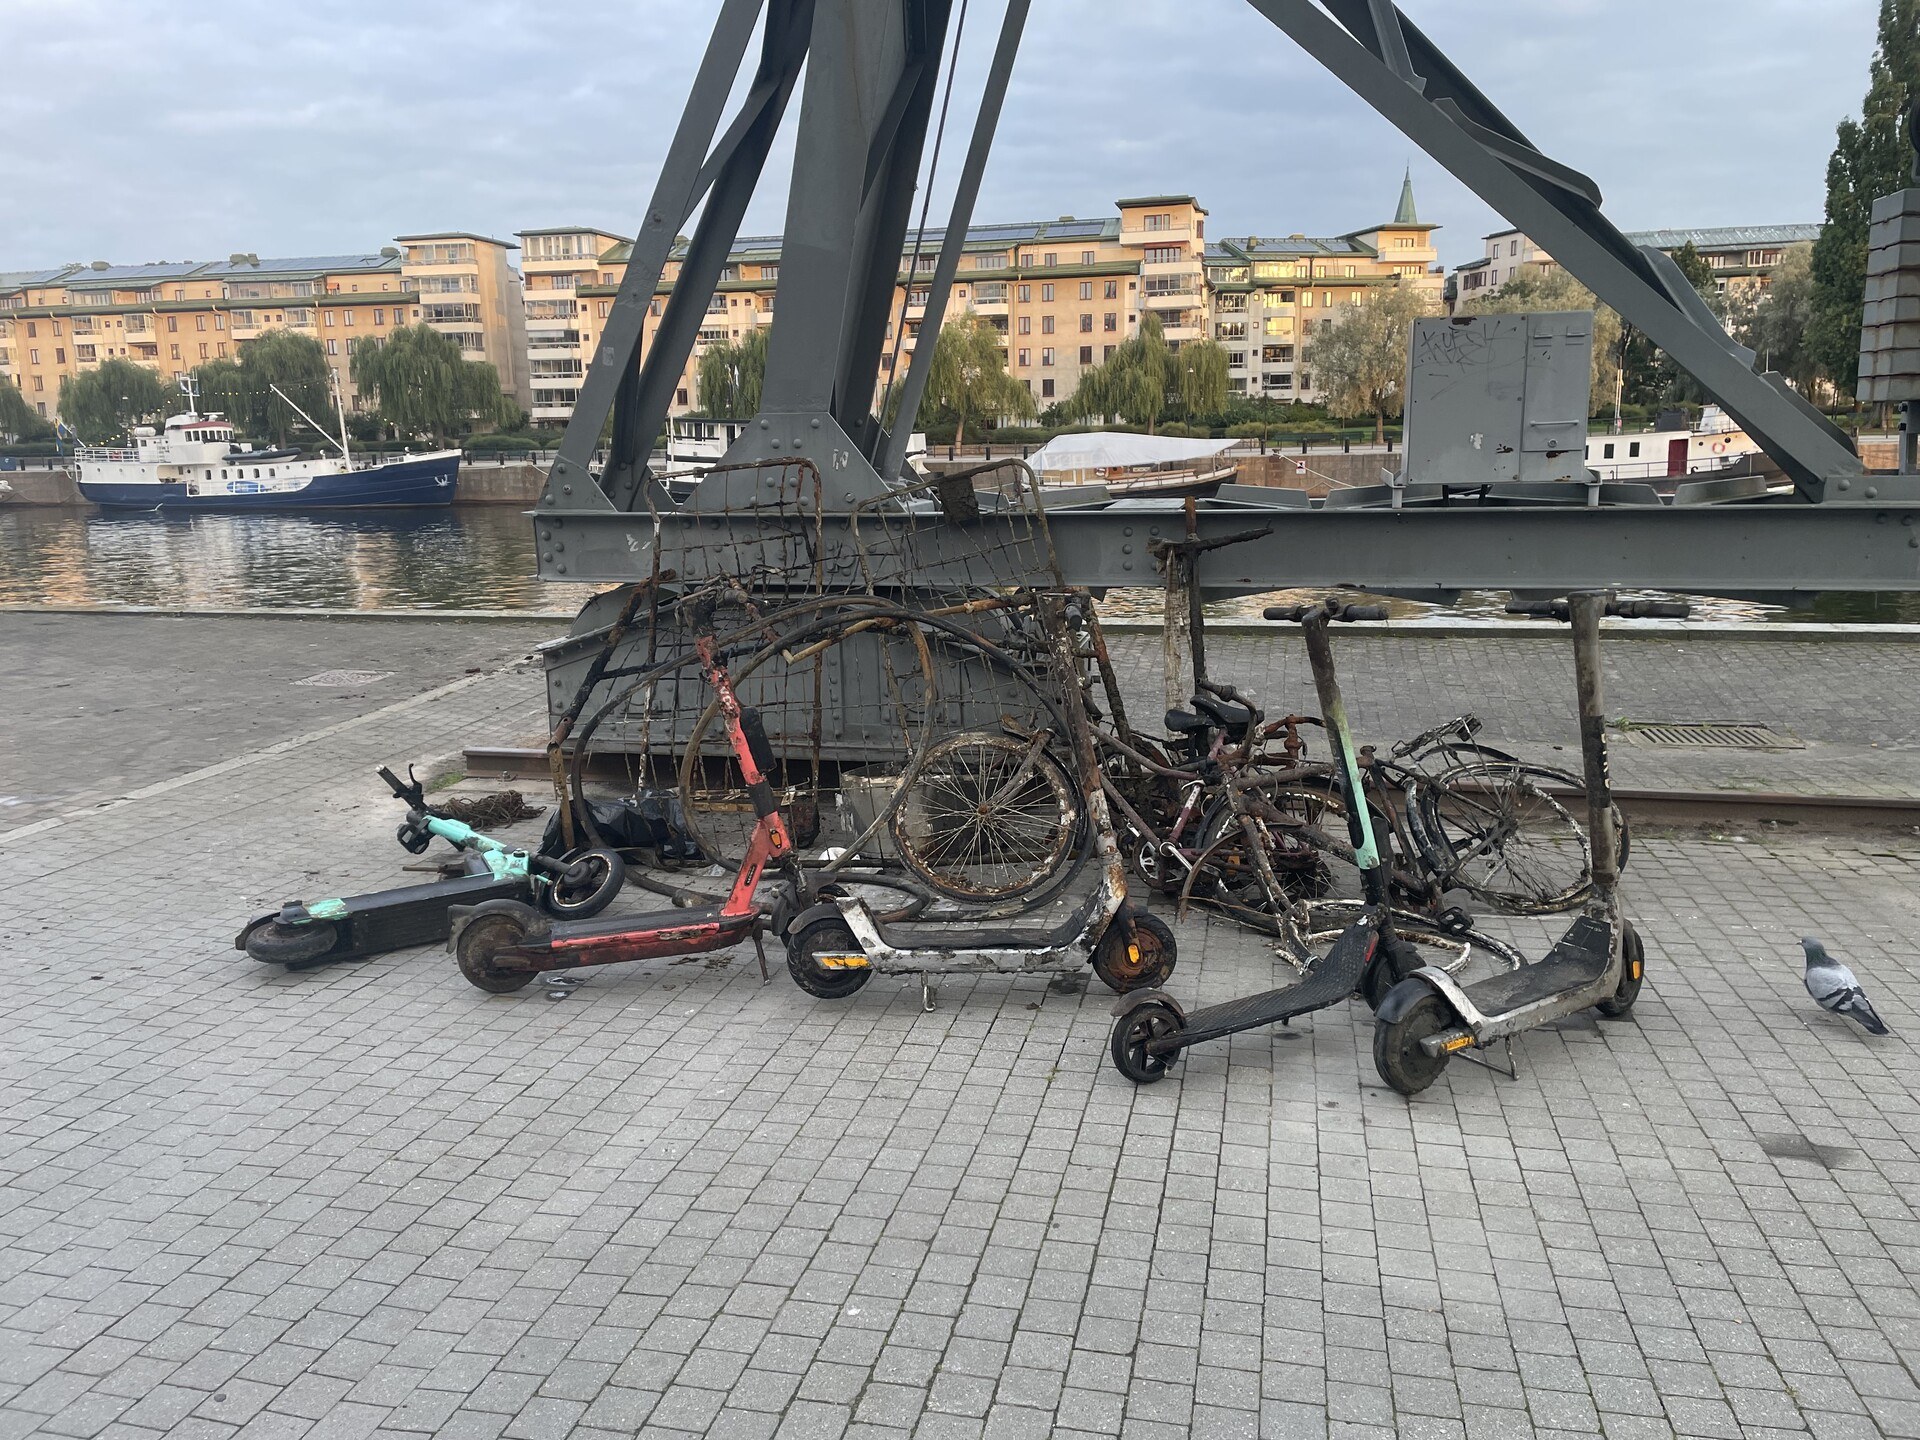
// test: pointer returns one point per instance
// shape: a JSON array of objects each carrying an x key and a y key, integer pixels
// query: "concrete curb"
[{"x": 1444, "y": 629}]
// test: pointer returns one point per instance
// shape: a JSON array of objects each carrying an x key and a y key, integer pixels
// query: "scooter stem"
[{"x": 1585, "y": 610}]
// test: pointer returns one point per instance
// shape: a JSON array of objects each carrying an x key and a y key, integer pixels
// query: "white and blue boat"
[{"x": 194, "y": 463}]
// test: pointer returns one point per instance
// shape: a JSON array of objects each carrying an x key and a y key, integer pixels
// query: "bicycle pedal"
[{"x": 1454, "y": 921}]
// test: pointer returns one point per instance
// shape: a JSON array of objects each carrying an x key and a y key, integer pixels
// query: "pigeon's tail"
[{"x": 1860, "y": 1008}]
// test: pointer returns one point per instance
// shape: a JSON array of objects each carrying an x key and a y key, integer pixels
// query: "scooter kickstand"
[
  {"x": 1511, "y": 1069},
  {"x": 760, "y": 948},
  {"x": 927, "y": 994}
]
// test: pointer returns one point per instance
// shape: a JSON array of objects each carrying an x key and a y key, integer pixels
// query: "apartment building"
[
  {"x": 470, "y": 292},
  {"x": 556, "y": 265},
  {"x": 1509, "y": 253},
  {"x": 174, "y": 316},
  {"x": 1269, "y": 297},
  {"x": 1742, "y": 257},
  {"x": 1062, "y": 293}
]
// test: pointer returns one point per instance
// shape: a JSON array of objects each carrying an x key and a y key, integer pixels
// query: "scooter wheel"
[
  {"x": 1137, "y": 952},
  {"x": 480, "y": 942},
  {"x": 1137, "y": 1029},
  {"x": 1396, "y": 1044},
  {"x": 277, "y": 944},
  {"x": 602, "y": 873},
  {"x": 808, "y": 950},
  {"x": 1633, "y": 974}
]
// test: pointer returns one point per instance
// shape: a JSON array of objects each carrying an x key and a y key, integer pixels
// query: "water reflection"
[
  {"x": 480, "y": 557},
  {"x": 473, "y": 558}
]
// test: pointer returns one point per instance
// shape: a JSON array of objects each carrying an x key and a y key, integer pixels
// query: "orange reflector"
[
  {"x": 854, "y": 961},
  {"x": 1459, "y": 1042}
]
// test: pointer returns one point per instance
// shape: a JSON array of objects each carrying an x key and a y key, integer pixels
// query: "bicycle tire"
[{"x": 1494, "y": 829}]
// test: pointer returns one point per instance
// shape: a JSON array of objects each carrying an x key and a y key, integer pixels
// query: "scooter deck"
[
  {"x": 1328, "y": 981},
  {"x": 1579, "y": 958}
]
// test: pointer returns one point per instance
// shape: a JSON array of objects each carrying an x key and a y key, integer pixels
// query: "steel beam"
[{"x": 1708, "y": 550}]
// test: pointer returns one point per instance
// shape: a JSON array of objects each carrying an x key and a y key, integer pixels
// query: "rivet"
[
  {"x": 561, "y": 568},
  {"x": 546, "y": 534},
  {"x": 1873, "y": 492},
  {"x": 815, "y": 423},
  {"x": 546, "y": 555},
  {"x": 1126, "y": 530},
  {"x": 566, "y": 489},
  {"x": 558, "y": 545},
  {"x": 1126, "y": 565},
  {"x": 1846, "y": 484},
  {"x": 1126, "y": 549},
  {"x": 1913, "y": 542},
  {"x": 763, "y": 424}
]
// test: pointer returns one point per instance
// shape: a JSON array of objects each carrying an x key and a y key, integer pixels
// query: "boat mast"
[
  {"x": 340, "y": 405},
  {"x": 313, "y": 422}
]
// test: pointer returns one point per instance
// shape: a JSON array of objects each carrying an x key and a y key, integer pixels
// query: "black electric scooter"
[
  {"x": 1600, "y": 961},
  {"x": 1152, "y": 1028},
  {"x": 318, "y": 932}
]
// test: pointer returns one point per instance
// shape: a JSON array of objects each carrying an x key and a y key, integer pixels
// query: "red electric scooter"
[{"x": 502, "y": 944}]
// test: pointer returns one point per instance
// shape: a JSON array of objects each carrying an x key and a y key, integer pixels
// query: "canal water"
[{"x": 474, "y": 557}]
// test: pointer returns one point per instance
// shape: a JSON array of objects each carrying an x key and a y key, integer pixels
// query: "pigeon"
[{"x": 1836, "y": 988}]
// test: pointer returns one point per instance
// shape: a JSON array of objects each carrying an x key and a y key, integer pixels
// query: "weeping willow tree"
[
  {"x": 422, "y": 385},
  {"x": 100, "y": 404},
  {"x": 968, "y": 375},
  {"x": 1361, "y": 363},
  {"x": 731, "y": 376},
  {"x": 1145, "y": 376},
  {"x": 1202, "y": 366},
  {"x": 243, "y": 389},
  {"x": 18, "y": 419}
]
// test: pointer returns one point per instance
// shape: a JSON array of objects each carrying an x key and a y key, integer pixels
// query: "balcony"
[
  {"x": 1143, "y": 236},
  {"x": 1171, "y": 299},
  {"x": 1178, "y": 332}
]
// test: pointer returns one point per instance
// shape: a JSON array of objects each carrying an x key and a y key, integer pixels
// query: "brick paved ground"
[{"x": 374, "y": 1200}]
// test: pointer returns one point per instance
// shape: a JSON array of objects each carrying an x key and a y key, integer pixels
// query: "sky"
[{"x": 138, "y": 131}]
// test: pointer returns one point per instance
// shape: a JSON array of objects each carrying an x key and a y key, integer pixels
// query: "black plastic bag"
[{"x": 648, "y": 820}]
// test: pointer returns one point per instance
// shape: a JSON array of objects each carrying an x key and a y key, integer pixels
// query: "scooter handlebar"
[
  {"x": 1340, "y": 611},
  {"x": 1618, "y": 609}
]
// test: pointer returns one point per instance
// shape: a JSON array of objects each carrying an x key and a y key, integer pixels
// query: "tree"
[
  {"x": 1134, "y": 383},
  {"x": 18, "y": 419},
  {"x": 295, "y": 365},
  {"x": 100, "y": 404},
  {"x": 730, "y": 377},
  {"x": 1535, "y": 291},
  {"x": 1361, "y": 363},
  {"x": 422, "y": 385},
  {"x": 1870, "y": 159},
  {"x": 968, "y": 375},
  {"x": 1778, "y": 327},
  {"x": 1203, "y": 377}
]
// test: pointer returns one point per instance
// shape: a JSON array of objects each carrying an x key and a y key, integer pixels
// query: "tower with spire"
[{"x": 1408, "y": 213}]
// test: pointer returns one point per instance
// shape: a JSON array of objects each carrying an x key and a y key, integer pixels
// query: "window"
[
  {"x": 379, "y": 316},
  {"x": 59, "y": 356},
  {"x": 200, "y": 322},
  {"x": 174, "y": 352},
  {"x": 220, "y": 348},
  {"x": 1086, "y": 323},
  {"x": 1086, "y": 289},
  {"x": 1513, "y": 247},
  {"x": 1229, "y": 329},
  {"x": 1052, "y": 257},
  {"x": 56, "y": 327},
  {"x": 1607, "y": 453},
  {"x": 83, "y": 352},
  {"x": 1046, "y": 389},
  {"x": 1026, "y": 324},
  {"x": 1351, "y": 272},
  {"x": 1046, "y": 324},
  {"x": 1633, "y": 451},
  {"x": 1110, "y": 323},
  {"x": 33, "y": 355},
  {"x": 173, "y": 324},
  {"x": 1046, "y": 355},
  {"x": 605, "y": 306},
  {"x": 990, "y": 260},
  {"x": 1026, "y": 259},
  {"x": 1326, "y": 299},
  {"x": 1046, "y": 292},
  {"x": 33, "y": 333},
  {"x": 1277, "y": 354},
  {"x": 39, "y": 384},
  {"x": 1086, "y": 257},
  {"x": 346, "y": 319},
  {"x": 1158, "y": 222},
  {"x": 333, "y": 346},
  {"x": 1273, "y": 270},
  {"x": 1026, "y": 357},
  {"x": 1306, "y": 300},
  {"x": 1026, "y": 294},
  {"x": 203, "y": 350},
  {"x": 1086, "y": 354},
  {"x": 1277, "y": 325},
  {"x": 1106, "y": 352}
]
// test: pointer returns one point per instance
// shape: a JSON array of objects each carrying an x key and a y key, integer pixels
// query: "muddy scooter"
[
  {"x": 1429, "y": 1018},
  {"x": 1151, "y": 1028},
  {"x": 837, "y": 945},
  {"x": 501, "y": 945},
  {"x": 353, "y": 927}
]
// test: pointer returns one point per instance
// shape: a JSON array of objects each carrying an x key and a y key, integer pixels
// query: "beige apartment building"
[
  {"x": 1742, "y": 257},
  {"x": 470, "y": 292},
  {"x": 556, "y": 264},
  {"x": 172, "y": 317}
]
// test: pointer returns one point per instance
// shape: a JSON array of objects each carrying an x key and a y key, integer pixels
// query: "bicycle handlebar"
[
  {"x": 409, "y": 790},
  {"x": 1230, "y": 693}
]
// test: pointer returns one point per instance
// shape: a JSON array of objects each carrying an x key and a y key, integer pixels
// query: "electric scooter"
[
  {"x": 502, "y": 944},
  {"x": 1600, "y": 962},
  {"x": 1151, "y": 1028},
  {"x": 836, "y": 945},
  {"x": 352, "y": 927}
]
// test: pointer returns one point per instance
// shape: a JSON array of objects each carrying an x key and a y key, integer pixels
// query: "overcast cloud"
[{"x": 140, "y": 131}]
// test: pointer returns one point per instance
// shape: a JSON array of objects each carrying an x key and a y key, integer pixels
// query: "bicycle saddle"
[
  {"x": 1232, "y": 718},
  {"x": 1181, "y": 722}
]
